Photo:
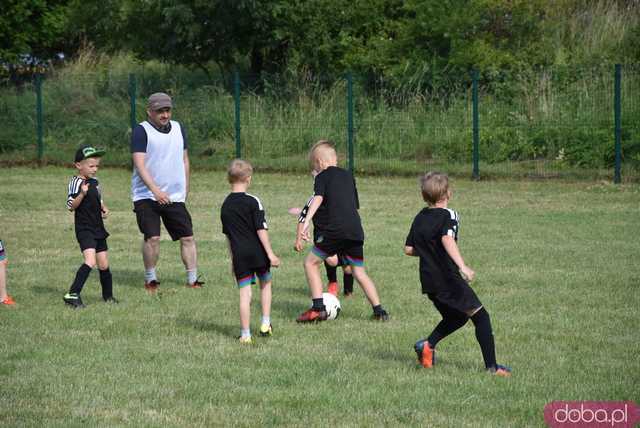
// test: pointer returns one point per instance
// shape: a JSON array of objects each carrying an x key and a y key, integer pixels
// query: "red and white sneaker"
[
  {"x": 151, "y": 286},
  {"x": 8, "y": 301}
]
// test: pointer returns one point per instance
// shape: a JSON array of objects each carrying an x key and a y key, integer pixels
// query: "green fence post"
[
  {"x": 236, "y": 98},
  {"x": 350, "y": 121},
  {"x": 132, "y": 99},
  {"x": 618, "y": 120},
  {"x": 476, "y": 127},
  {"x": 39, "y": 120}
]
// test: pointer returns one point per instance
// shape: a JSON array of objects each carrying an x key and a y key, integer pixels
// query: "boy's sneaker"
[
  {"x": 312, "y": 315},
  {"x": 111, "y": 300},
  {"x": 380, "y": 316},
  {"x": 332, "y": 288},
  {"x": 245, "y": 340},
  {"x": 196, "y": 284},
  {"x": 151, "y": 286},
  {"x": 347, "y": 294},
  {"x": 498, "y": 370},
  {"x": 266, "y": 330},
  {"x": 8, "y": 301},
  {"x": 73, "y": 300},
  {"x": 426, "y": 354}
]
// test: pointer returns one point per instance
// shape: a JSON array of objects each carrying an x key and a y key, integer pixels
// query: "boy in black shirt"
[
  {"x": 338, "y": 230},
  {"x": 85, "y": 200},
  {"x": 444, "y": 275},
  {"x": 245, "y": 225}
]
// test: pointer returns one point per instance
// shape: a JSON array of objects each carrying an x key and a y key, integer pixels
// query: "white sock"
[
  {"x": 192, "y": 275},
  {"x": 150, "y": 275},
  {"x": 266, "y": 320},
  {"x": 245, "y": 332}
]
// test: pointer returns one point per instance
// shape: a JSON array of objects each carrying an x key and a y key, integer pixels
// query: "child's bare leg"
[
  {"x": 312, "y": 265},
  {"x": 3, "y": 279},
  {"x": 245, "y": 307},
  {"x": 89, "y": 257},
  {"x": 265, "y": 298},
  {"x": 366, "y": 284}
]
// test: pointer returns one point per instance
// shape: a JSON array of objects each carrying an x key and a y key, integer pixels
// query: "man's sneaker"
[
  {"x": 426, "y": 354},
  {"x": 111, "y": 300},
  {"x": 380, "y": 316},
  {"x": 8, "y": 301},
  {"x": 499, "y": 370},
  {"x": 196, "y": 284},
  {"x": 266, "y": 330},
  {"x": 151, "y": 286},
  {"x": 332, "y": 288},
  {"x": 73, "y": 300},
  {"x": 312, "y": 315},
  {"x": 245, "y": 340}
]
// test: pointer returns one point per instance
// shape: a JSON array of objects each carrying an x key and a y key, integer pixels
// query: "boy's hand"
[
  {"x": 299, "y": 244},
  {"x": 84, "y": 187},
  {"x": 305, "y": 231},
  {"x": 105, "y": 211},
  {"x": 467, "y": 273},
  {"x": 274, "y": 260}
]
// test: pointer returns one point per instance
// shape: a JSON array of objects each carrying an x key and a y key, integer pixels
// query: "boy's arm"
[
  {"x": 104, "y": 209},
  {"x": 410, "y": 251},
  {"x": 451, "y": 247},
  {"x": 263, "y": 236},
  {"x": 299, "y": 244},
  {"x": 230, "y": 258},
  {"x": 74, "y": 202},
  {"x": 313, "y": 207}
]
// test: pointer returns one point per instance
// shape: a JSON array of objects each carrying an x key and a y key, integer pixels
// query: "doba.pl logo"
[{"x": 596, "y": 414}]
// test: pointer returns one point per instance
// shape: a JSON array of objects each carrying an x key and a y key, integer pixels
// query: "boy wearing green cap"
[{"x": 85, "y": 200}]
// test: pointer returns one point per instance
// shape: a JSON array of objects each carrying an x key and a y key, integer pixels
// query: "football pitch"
[{"x": 557, "y": 269}]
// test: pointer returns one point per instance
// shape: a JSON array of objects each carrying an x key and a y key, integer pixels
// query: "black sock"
[
  {"x": 331, "y": 272},
  {"x": 347, "y": 280},
  {"x": 81, "y": 277},
  {"x": 107, "y": 284},
  {"x": 484, "y": 334},
  {"x": 378, "y": 309},
  {"x": 445, "y": 327},
  {"x": 318, "y": 305}
]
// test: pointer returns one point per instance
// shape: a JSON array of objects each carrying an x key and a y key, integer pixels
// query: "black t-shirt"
[
  {"x": 88, "y": 215},
  {"x": 242, "y": 216},
  {"x": 437, "y": 269},
  {"x": 337, "y": 218}
]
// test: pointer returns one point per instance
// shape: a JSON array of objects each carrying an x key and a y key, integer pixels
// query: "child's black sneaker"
[
  {"x": 380, "y": 315},
  {"x": 112, "y": 300},
  {"x": 73, "y": 300}
]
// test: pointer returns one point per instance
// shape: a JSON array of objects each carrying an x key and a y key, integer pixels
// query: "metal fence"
[{"x": 538, "y": 123}]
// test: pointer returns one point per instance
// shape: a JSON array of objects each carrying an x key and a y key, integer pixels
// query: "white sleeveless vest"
[{"x": 165, "y": 164}]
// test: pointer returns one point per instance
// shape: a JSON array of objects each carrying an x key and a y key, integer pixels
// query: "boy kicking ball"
[
  {"x": 85, "y": 200},
  {"x": 245, "y": 226},
  {"x": 338, "y": 230},
  {"x": 444, "y": 275}
]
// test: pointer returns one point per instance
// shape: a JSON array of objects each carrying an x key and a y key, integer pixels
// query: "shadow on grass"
[{"x": 208, "y": 326}]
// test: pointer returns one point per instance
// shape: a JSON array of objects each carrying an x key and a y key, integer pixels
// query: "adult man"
[{"x": 159, "y": 188}]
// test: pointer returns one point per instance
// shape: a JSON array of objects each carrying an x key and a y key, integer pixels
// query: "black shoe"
[
  {"x": 382, "y": 315},
  {"x": 111, "y": 300},
  {"x": 73, "y": 300}
]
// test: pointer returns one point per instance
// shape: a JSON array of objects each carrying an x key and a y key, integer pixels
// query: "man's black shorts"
[
  {"x": 87, "y": 240},
  {"x": 459, "y": 297},
  {"x": 175, "y": 217},
  {"x": 350, "y": 252}
]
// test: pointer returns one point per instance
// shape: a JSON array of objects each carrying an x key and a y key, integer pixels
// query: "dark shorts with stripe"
[
  {"x": 350, "y": 252},
  {"x": 460, "y": 298},
  {"x": 88, "y": 240},
  {"x": 249, "y": 277},
  {"x": 175, "y": 217},
  {"x": 3, "y": 255}
]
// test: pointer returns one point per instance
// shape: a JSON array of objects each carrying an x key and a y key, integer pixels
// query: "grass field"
[{"x": 557, "y": 270}]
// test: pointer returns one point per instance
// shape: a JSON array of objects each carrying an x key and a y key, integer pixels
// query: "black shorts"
[
  {"x": 350, "y": 252},
  {"x": 249, "y": 277},
  {"x": 175, "y": 217},
  {"x": 87, "y": 240},
  {"x": 460, "y": 298}
]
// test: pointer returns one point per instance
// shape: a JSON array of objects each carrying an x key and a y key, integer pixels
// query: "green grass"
[{"x": 557, "y": 270}]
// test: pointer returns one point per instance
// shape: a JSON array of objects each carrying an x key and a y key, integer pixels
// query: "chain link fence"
[{"x": 560, "y": 122}]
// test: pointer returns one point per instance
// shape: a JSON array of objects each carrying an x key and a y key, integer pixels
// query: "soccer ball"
[{"x": 332, "y": 304}]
